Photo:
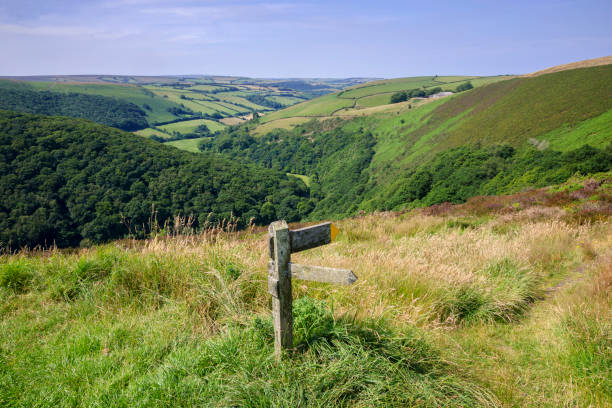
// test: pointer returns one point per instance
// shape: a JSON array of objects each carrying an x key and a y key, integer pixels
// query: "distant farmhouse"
[{"x": 440, "y": 95}]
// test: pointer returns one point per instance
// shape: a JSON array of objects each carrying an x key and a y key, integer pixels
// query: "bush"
[{"x": 465, "y": 86}]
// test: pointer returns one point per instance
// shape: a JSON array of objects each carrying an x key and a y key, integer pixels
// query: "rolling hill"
[
  {"x": 359, "y": 99},
  {"x": 161, "y": 102},
  {"x": 594, "y": 62},
  {"x": 67, "y": 182},
  {"x": 496, "y": 138}
]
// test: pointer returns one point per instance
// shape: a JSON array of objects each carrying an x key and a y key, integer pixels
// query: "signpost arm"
[{"x": 280, "y": 283}]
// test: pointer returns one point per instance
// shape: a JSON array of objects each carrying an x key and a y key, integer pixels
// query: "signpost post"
[{"x": 283, "y": 242}]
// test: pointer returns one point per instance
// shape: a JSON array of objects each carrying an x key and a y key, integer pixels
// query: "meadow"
[
  {"x": 189, "y": 126},
  {"x": 360, "y": 99},
  {"x": 502, "y": 301},
  {"x": 190, "y": 145}
]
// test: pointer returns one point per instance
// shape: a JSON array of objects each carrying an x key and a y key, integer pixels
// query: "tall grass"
[{"x": 184, "y": 320}]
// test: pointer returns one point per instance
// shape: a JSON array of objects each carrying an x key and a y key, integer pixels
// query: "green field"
[
  {"x": 148, "y": 132},
  {"x": 371, "y": 95},
  {"x": 131, "y": 93},
  {"x": 392, "y": 85},
  {"x": 189, "y": 126},
  {"x": 374, "y": 100},
  {"x": 324, "y": 106},
  {"x": 190, "y": 145},
  {"x": 302, "y": 177},
  {"x": 165, "y": 99}
]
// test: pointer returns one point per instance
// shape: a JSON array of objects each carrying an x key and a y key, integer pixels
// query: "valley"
[{"x": 475, "y": 211}]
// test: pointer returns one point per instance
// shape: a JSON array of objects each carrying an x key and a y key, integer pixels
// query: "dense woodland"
[
  {"x": 69, "y": 182},
  {"x": 101, "y": 109},
  {"x": 458, "y": 174},
  {"x": 334, "y": 160}
]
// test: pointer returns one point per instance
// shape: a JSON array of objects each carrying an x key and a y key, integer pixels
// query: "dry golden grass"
[
  {"x": 519, "y": 303},
  {"x": 573, "y": 65},
  {"x": 404, "y": 262}
]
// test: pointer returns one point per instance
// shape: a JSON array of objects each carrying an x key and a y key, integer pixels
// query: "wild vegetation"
[
  {"x": 67, "y": 182},
  {"x": 339, "y": 162},
  {"x": 486, "y": 304}
]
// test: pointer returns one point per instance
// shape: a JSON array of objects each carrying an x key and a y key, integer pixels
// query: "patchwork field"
[
  {"x": 172, "y": 99},
  {"x": 372, "y": 94}
]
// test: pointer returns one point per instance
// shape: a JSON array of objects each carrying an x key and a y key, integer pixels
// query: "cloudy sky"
[{"x": 301, "y": 38}]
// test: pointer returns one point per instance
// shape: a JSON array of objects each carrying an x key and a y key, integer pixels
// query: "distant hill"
[
  {"x": 497, "y": 138},
  {"x": 364, "y": 99},
  {"x": 165, "y": 100},
  {"x": 573, "y": 65},
  {"x": 70, "y": 181},
  {"x": 101, "y": 109}
]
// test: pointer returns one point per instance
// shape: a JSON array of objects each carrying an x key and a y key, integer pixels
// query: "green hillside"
[
  {"x": 101, "y": 109},
  {"x": 165, "y": 100},
  {"x": 372, "y": 94},
  {"x": 497, "y": 138},
  {"x": 66, "y": 181},
  {"x": 157, "y": 109}
]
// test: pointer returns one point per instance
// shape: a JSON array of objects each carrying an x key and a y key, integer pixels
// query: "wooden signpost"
[{"x": 282, "y": 243}]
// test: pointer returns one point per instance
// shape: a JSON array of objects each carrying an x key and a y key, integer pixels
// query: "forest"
[
  {"x": 72, "y": 182},
  {"x": 101, "y": 109},
  {"x": 334, "y": 160}
]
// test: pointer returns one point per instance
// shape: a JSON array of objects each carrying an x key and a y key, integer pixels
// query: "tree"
[{"x": 466, "y": 86}]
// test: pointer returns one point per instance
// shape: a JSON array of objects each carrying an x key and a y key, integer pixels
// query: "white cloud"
[{"x": 66, "y": 31}]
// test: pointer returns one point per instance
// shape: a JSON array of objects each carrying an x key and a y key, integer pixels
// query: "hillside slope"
[
  {"x": 358, "y": 99},
  {"x": 501, "y": 302},
  {"x": 573, "y": 65},
  {"x": 66, "y": 180},
  {"x": 497, "y": 138},
  {"x": 101, "y": 109}
]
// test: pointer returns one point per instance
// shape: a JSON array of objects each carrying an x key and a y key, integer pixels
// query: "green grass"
[
  {"x": 321, "y": 106},
  {"x": 369, "y": 95},
  {"x": 515, "y": 110},
  {"x": 595, "y": 131},
  {"x": 285, "y": 100},
  {"x": 190, "y": 145},
  {"x": 233, "y": 99},
  {"x": 115, "y": 328},
  {"x": 374, "y": 100},
  {"x": 148, "y": 132},
  {"x": 302, "y": 177},
  {"x": 185, "y": 321},
  {"x": 189, "y": 126},
  {"x": 392, "y": 85}
]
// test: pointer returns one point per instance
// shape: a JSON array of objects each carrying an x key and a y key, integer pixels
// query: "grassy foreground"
[{"x": 498, "y": 302}]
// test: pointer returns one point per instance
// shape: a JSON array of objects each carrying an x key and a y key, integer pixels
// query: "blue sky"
[{"x": 299, "y": 38}]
